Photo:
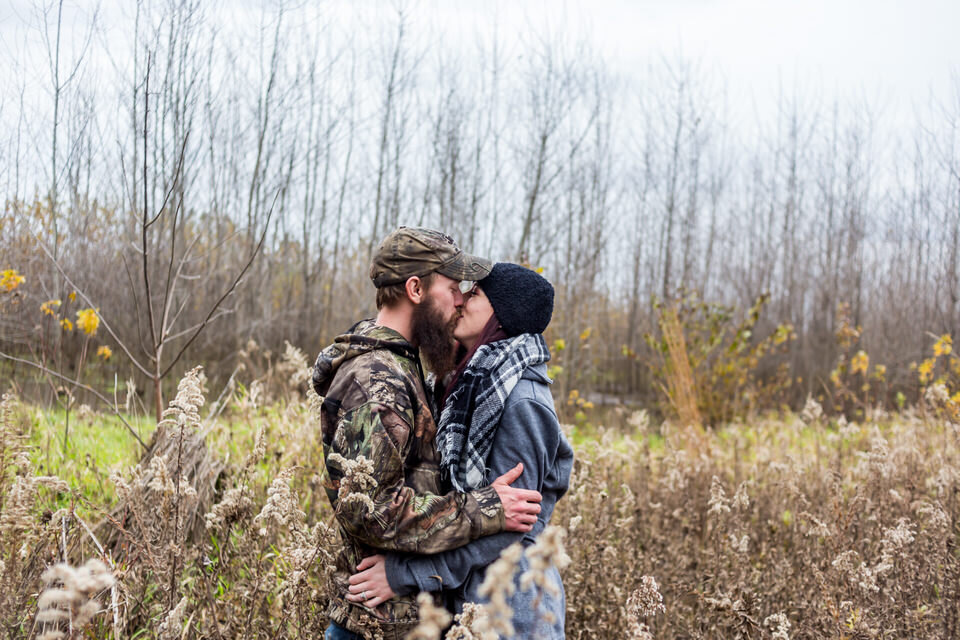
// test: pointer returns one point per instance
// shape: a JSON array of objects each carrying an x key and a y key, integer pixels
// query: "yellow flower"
[
  {"x": 72, "y": 296},
  {"x": 103, "y": 351},
  {"x": 49, "y": 307},
  {"x": 11, "y": 279},
  {"x": 88, "y": 320},
  {"x": 66, "y": 325},
  {"x": 926, "y": 370},
  {"x": 860, "y": 362},
  {"x": 943, "y": 346},
  {"x": 586, "y": 334}
]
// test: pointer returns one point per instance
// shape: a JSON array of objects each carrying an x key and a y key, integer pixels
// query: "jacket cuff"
[
  {"x": 487, "y": 512},
  {"x": 399, "y": 576}
]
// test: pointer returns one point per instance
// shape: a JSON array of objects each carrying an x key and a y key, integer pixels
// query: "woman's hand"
[{"x": 369, "y": 586}]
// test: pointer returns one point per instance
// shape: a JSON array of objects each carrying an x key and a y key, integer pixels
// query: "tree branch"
[
  {"x": 96, "y": 393},
  {"x": 229, "y": 290}
]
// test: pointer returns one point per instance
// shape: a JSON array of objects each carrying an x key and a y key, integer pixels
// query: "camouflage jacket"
[{"x": 382, "y": 469}]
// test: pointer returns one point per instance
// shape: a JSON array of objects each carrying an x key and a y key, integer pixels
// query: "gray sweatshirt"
[{"x": 528, "y": 432}]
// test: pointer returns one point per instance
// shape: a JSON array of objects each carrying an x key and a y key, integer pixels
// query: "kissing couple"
[{"x": 431, "y": 481}]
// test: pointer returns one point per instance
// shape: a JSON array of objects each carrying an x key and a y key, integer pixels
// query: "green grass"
[
  {"x": 99, "y": 444},
  {"x": 95, "y": 447}
]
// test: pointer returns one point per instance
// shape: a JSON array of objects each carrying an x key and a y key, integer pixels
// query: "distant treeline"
[{"x": 245, "y": 180}]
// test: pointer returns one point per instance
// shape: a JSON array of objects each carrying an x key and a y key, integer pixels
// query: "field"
[{"x": 777, "y": 527}]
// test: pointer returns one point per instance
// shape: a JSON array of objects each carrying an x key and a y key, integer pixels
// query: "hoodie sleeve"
[
  {"x": 528, "y": 432},
  {"x": 373, "y": 502}
]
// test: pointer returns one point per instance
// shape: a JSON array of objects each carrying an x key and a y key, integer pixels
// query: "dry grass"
[
  {"x": 772, "y": 529},
  {"x": 779, "y": 530}
]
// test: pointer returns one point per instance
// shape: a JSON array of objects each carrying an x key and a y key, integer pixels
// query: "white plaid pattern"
[{"x": 470, "y": 416}]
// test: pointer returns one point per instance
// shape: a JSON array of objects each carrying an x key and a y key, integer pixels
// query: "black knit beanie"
[{"x": 522, "y": 299}]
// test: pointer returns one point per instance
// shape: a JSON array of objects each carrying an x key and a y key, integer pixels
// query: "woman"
[{"x": 497, "y": 410}]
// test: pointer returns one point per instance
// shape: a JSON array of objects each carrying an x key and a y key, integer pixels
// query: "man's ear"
[{"x": 414, "y": 287}]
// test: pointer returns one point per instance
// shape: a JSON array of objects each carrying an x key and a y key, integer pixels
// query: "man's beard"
[{"x": 434, "y": 336}]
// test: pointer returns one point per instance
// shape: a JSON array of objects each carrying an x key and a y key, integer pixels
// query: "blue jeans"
[{"x": 336, "y": 632}]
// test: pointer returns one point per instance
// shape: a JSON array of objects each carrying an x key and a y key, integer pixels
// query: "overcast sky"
[{"x": 890, "y": 54}]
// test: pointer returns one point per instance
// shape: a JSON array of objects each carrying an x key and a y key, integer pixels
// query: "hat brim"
[{"x": 466, "y": 267}]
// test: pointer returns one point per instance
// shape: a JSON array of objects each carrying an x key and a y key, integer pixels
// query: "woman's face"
[{"x": 477, "y": 311}]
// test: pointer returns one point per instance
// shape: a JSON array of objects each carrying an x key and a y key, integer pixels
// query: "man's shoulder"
[{"x": 378, "y": 376}]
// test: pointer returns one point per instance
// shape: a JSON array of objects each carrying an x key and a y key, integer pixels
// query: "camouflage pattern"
[
  {"x": 409, "y": 252},
  {"x": 375, "y": 406}
]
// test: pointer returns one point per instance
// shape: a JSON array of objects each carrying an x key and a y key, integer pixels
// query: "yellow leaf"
[
  {"x": 103, "y": 351},
  {"x": 88, "y": 321},
  {"x": 49, "y": 307},
  {"x": 66, "y": 325},
  {"x": 943, "y": 346},
  {"x": 10, "y": 279},
  {"x": 586, "y": 334},
  {"x": 559, "y": 344},
  {"x": 860, "y": 362},
  {"x": 72, "y": 296}
]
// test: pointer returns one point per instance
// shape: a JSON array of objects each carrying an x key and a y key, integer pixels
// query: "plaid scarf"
[{"x": 472, "y": 411}]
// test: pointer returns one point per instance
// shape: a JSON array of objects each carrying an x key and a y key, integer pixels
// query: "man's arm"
[{"x": 388, "y": 514}]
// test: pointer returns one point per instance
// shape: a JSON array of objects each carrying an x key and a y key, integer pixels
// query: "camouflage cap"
[{"x": 409, "y": 252}]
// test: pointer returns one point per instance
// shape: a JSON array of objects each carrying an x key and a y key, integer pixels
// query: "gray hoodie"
[{"x": 528, "y": 432}]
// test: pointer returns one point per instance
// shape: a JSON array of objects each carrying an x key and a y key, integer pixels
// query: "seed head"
[
  {"x": 718, "y": 498},
  {"x": 172, "y": 625},
  {"x": 433, "y": 619},
  {"x": 69, "y": 595},
  {"x": 184, "y": 410},
  {"x": 779, "y": 626},
  {"x": 812, "y": 411},
  {"x": 498, "y": 586}
]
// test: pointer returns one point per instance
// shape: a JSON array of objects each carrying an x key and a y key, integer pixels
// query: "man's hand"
[
  {"x": 520, "y": 506},
  {"x": 369, "y": 586}
]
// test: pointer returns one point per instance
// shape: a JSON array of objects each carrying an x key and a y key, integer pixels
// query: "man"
[{"x": 383, "y": 476}]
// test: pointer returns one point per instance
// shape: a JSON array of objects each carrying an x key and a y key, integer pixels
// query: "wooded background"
[{"x": 203, "y": 188}]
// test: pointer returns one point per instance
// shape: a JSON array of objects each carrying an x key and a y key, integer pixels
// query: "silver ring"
[{"x": 363, "y": 596}]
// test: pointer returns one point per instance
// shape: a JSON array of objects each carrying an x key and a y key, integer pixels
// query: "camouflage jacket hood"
[{"x": 363, "y": 337}]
